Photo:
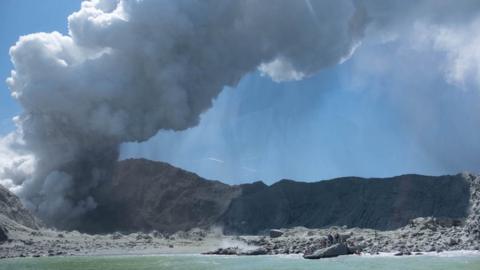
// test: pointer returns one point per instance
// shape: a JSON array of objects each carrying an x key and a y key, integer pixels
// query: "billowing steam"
[{"x": 128, "y": 69}]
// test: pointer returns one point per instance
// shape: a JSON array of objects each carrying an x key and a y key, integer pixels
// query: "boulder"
[
  {"x": 224, "y": 251},
  {"x": 275, "y": 233},
  {"x": 355, "y": 249},
  {"x": 258, "y": 251},
  {"x": 329, "y": 252},
  {"x": 157, "y": 234},
  {"x": 143, "y": 236},
  {"x": 116, "y": 235},
  {"x": 344, "y": 237},
  {"x": 403, "y": 253}
]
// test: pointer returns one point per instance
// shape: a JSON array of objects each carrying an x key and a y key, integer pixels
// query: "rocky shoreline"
[
  {"x": 421, "y": 236},
  {"x": 22, "y": 236},
  {"x": 26, "y": 242}
]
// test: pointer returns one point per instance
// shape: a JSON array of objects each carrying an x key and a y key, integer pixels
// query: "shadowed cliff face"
[
  {"x": 147, "y": 195},
  {"x": 355, "y": 202}
]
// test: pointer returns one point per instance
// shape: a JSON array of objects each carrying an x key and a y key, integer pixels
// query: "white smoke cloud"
[
  {"x": 128, "y": 69},
  {"x": 460, "y": 43},
  {"x": 280, "y": 70},
  {"x": 16, "y": 164}
]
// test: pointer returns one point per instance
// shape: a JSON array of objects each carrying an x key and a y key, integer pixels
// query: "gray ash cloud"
[{"x": 128, "y": 69}]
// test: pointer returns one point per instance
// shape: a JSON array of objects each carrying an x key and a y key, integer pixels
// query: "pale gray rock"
[
  {"x": 116, "y": 236},
  {"x": 12, "y": 208},
  {"x": 329, "y": 252},
  {"x": 255, "y": 252},
  {"x": 275, "y": 233}
]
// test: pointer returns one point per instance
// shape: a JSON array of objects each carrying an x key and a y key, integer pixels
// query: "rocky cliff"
[
  {"x": 13, "y": 216},
  {"x": 412, "y": 214},
  {"x": 147, "y": 195},
  {"x": 383, "y": 204},
  {"x": 11, "y": 209}
]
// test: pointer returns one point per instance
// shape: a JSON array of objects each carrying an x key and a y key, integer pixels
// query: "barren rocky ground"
[
  {"x": 21, "y": 235},
  {"x": 25, "y": 242},
  {"x": 423, "y": 235}
]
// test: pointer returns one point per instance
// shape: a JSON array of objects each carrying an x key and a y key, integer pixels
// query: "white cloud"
[
  {"x": 280, "y": 70},
  {"x": 16, "y": 165},
  {"x": 461, "y": 46}
]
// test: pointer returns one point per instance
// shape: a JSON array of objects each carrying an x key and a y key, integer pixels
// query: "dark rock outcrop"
[
  {"x": 3, "y": 234},
  {"x": 146, "y": 195},
  {"x": 382, "y": 204},
  {"x": 238, "y": 251},
  {"x": 224, "y": 251}
]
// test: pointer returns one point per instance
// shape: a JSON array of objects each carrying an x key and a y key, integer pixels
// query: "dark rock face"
[
  {"x": 224, "y": 251},
  {"x": 12, "y": 208},
  {"x": 238, "y": 251},
  {"x": 355, "y": 202},
  {"x": 146, "y": 195}
]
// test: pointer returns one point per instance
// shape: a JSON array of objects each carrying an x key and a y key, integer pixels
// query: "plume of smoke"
[
  {"x": 16, "y": 163},
  {"x": 128, "y": 69}
]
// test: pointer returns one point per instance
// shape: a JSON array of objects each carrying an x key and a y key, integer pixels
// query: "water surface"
[{"x": 198, "y": 262}]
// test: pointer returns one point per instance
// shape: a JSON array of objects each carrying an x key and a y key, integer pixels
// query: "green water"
[{"x": 197, "y": 262}]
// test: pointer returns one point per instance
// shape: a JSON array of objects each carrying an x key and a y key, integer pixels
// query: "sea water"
[{"x": 199, "y": 262}]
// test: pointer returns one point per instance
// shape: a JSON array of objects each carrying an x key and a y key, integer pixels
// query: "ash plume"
[{"x": 128, "y": 69}]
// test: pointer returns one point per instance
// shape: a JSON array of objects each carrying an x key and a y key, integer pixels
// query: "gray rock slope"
[
  {"x": 472, "y": 222},
  {"x": 12, "y": 209},
  {"x": 383, "y": 204},
  {"x": 146, "y": 195}
]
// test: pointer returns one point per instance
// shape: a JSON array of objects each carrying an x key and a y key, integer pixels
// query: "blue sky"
[
  {"x": 357, "y": 118},
  {"x": 370, "y": 116}
]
